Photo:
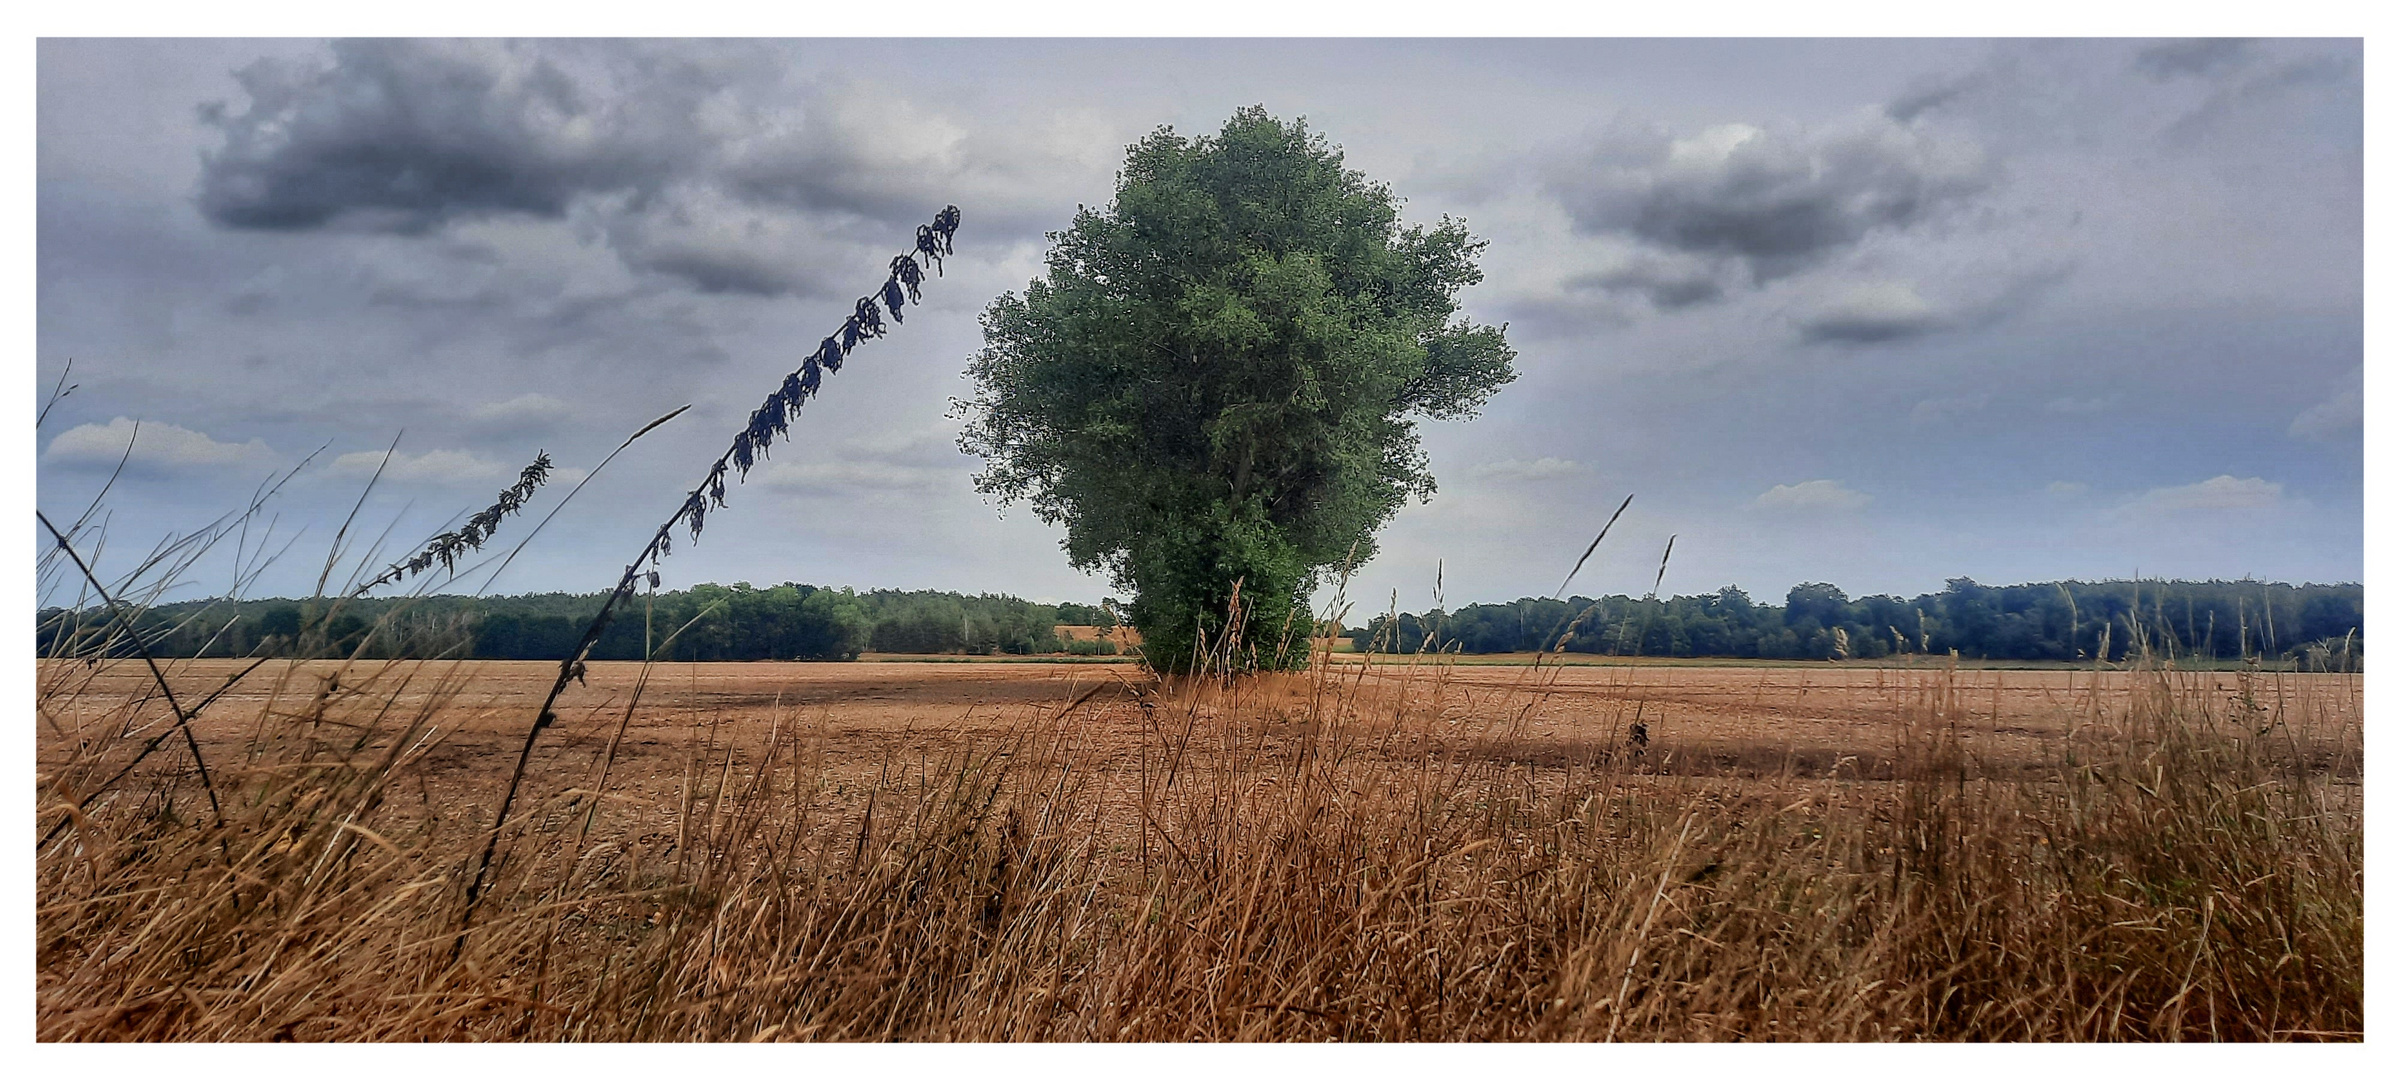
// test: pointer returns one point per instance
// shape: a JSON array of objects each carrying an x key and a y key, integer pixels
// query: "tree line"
[
  {"x": 705, "y": 622},
  {"x": 2056, "y": 620},
  {"x": 2059, "y": 620}
]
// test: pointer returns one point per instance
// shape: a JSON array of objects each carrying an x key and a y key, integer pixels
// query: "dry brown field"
[
  {"x": 1056, "y": 850},
  {"x": 1831, "y": 722}
]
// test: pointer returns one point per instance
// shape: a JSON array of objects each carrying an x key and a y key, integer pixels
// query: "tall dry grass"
[{"x": 1318, "y": 856}]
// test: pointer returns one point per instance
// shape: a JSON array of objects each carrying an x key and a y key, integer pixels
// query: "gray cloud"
[
  {"x": 1966, "y": 294},
  {"x": 720, "y": 243},
  {"x": 1872, "y": 314},
  {"x": 1928, "y": 95},
  {"x": 1773, "y": 201},
  {"x": 710, "y": 163},
  {"x": 883, "y": 463},
  {"x": 823, "y": 477},
  {"x": 401, "y": 136},
  {"x": 2193, "y": 56},
  {"x": 2239, "y": 102},
  {"x": 1668, "y": 283}
]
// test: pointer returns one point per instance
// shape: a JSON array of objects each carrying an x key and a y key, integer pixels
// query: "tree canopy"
[{"x": 1216, "y": 383}]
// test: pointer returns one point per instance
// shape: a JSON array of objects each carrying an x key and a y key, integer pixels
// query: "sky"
[{"x": 1874, "y": 312}]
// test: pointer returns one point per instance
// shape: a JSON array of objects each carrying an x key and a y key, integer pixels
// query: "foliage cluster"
[{"x": 1214, "y": 387}]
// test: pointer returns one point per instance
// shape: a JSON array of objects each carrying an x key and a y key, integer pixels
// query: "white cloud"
[
  {"x": 1813, "y": 496},
  {"x": 2220, "y": 493},
  {"x": 430, "y": 467},
  {"x": 2066, "y": 489},
  {"x": 2330, "y": 420},
  {"x": 1512, "y": 469},
  {"x": 522, "y": 409},
  {"x": 154, "y": 444}
]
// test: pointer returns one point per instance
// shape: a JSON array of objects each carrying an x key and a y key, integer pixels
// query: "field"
[
  {"x": 1419, "y": 850},
  {"x": 1819, "y": 720}
]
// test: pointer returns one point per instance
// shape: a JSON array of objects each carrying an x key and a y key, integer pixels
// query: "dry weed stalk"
[{"x": 770, "y": 420}]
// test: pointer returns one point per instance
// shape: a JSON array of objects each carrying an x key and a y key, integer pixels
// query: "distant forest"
[
  {"x": 705, "y": 622},
  {"x": 2057, "y": 620},
  {"x": 2065, "y": 620}
]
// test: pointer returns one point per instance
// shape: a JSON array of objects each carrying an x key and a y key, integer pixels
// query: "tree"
[
  {"x": 280, "y": 621},
  {"x": 1217, "y": 380},
  {"x": 2328, "y": 615},
  {"x": 1815, "y": 605}
]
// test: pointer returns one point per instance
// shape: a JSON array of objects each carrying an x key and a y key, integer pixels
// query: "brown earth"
[{"x": 1830, "y": 722}]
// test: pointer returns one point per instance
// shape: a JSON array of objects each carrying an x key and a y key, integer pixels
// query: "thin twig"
[{"x": 58, "y": 393}]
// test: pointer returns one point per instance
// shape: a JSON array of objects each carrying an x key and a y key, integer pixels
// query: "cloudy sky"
[{"x": 1878, "y": 313}]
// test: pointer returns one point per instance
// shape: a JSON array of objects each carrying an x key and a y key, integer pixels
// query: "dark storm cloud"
[
  {"x": 403, "y": 136},
  {"x": 1772, "y": 201},
  {"x": 711, "y": 164},
  {"x": 1865, "y": 330},
  {"x": 1868, "y": 326}
]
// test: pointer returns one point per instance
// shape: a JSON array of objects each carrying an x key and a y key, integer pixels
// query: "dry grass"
[{"x": 2185, "y": 865}]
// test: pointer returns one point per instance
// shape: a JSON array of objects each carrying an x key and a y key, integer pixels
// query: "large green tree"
[{"x": 1217, "y": 381}]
